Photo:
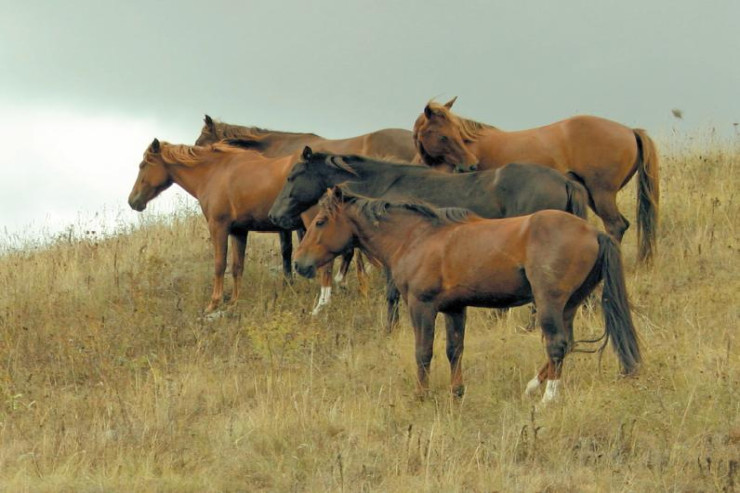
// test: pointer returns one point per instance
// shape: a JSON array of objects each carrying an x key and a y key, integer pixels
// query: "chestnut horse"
[
  {"x": 513, "y": 190},
  {"x": 235, "y": 188},
  {"x": 390, "y": 143},
  {"x": 602, "y": 154},
  {"x": 444, "y": 260}
]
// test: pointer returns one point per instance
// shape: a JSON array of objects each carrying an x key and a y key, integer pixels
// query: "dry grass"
[{"x": 111, "y": 380}]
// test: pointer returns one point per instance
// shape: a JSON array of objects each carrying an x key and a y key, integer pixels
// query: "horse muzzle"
[
  {"x": 286, "y": 222},
  {"x": 307, "y": 271},
  {"x": 137, "y": 204}
]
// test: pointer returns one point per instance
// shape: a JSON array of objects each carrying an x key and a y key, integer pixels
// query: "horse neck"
[
  {"x": 192, "y": 178},
  {"x": 388, "y": 240},
  {"x": 273, "y": 141},
  {"x": 375, "y": 177}
]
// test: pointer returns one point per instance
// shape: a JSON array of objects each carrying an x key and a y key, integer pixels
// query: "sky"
[{"x": 86, "y": 85}]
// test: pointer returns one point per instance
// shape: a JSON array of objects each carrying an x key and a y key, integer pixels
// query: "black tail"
[
  {"x": 614, "y": 303},
  {"x": 648, "y": 196},
  {"x": 577, "y": 198}
]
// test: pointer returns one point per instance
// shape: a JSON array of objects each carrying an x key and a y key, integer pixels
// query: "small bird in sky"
[{"x": 677, "y": 113}]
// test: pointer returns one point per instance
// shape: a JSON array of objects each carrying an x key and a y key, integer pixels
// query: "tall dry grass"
[{"x": 111, "y": 380}]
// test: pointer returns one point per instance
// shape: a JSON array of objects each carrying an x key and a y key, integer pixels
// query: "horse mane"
[
  {"x": 339, "y": 161},
  {"x": 469, "y": 129},
  {"x": 375, "y": 210},
  {"x": 231, "y": 131},
  {"x": 190, "y": 156}
]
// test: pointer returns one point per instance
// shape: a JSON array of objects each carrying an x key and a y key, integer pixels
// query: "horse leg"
[
  {"x": 423, "y": 316},
  {"x": 556, "y": 339},
  {"x": 605, "y": 206},
  {"x": 391, "y": 297},
  {"x": 344, "y": 266},
  {"x": 325, "y": 296},
  {"x": 535, "y": 383},
  {"x": 455, "y": 324},
  {"x": 238, "y": 251},
  {"x": 361, "y": 273},
  {"x": 219, "y": 237},
  {"x": 286, "y": 249}
]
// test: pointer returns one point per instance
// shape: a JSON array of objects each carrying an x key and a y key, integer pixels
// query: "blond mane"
[
  {"x": 469, "y": 129},
  {"x": 190, "y": 156}
]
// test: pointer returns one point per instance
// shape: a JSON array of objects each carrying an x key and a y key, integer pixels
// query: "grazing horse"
[
  {"x": 389, "y": 143},
  {"x": 444, "y": 260},
  {"x": 514, "y": 190},
  {"x": 600, "y": 153},
  {"x": 235, "y": 188}
]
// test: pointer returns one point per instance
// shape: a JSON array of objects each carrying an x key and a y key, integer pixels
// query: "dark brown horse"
[
  {"x": 235, "y": 188},
  {"x": 513, "y": 190},
  {"x": 444, "y": 260},
  {"x": 602, "y": 154},
  {"x": 388, "y": 143}
]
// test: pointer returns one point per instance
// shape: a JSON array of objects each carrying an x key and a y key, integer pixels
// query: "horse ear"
[
  {"x": 449, "y": 103},
  {"x": 155, "y": 146},
  {"x": 428, "y": 111},
  {"x": 307, "y": 153},
  {"x": 336, "y": 191},
  {"x": 208, "y": 121}
]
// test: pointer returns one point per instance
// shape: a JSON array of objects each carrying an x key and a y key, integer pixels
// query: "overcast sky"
[{"x": 86, "y": 85}]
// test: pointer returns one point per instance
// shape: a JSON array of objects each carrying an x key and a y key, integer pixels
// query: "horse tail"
[
  {"x": 615, "y": 305},
  {"x": 577, "y": 203},
  {"x": 648, "y": 195}
]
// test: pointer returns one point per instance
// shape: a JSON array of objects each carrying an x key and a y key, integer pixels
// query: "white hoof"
[
  {"x": 552, "y": 391},
  {"x": 324, "y": 300},
  {"x": 532, "y": 386}
]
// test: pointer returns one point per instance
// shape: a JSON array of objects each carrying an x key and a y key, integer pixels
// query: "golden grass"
[{"x": 111, "y": 380}]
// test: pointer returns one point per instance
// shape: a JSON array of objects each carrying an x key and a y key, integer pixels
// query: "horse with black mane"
[
  {"x": 514, "y": 190},
  {"x": 444, "y": 260}
]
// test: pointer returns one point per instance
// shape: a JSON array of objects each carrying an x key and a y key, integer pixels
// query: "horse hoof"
[
  {"x": 532, "y": 387},
  {"x": 552, "y": 392}
]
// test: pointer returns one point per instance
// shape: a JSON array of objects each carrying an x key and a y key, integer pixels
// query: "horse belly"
[{"x": 486, "y": 286}]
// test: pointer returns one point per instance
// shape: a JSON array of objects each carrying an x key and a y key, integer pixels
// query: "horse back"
[{"x": 527, "y": 188}]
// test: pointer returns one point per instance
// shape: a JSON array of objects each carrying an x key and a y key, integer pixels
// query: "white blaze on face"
[{"x": 62, "y": 167}]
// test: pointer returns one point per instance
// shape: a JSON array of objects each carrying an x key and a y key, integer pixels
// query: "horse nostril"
[{"x": 474, "y": 167}]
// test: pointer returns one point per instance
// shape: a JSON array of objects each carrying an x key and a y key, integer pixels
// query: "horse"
[
  {"x": 513, "y": 190},
  {"x": 602, "y": 154},
  {"x": 444, "y": 260},
  {"x": 391, "y": 143},
  {"x": 235, "y": 189}
]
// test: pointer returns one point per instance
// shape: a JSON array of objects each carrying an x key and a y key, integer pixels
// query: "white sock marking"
[
  {"x": 552, "y": 391},
  {"x": 324, "y": 299}
]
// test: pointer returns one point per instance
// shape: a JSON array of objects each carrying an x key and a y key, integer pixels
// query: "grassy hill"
[{"x": 111, "y": 379}]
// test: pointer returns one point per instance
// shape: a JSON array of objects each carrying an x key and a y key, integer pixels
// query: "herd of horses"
[{"x": 457, "y": 212}]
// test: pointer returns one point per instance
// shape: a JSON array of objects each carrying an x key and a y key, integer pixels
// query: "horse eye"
[
  {"x": 443, "y": 138},
  {"x": 321, "y": 222}
]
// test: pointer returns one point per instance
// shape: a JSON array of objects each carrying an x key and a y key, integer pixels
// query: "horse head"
[
  {"x": 152, "y": 179},
  {"x": 329, "y": 235},
  {"x": 441, "y": 141}
]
